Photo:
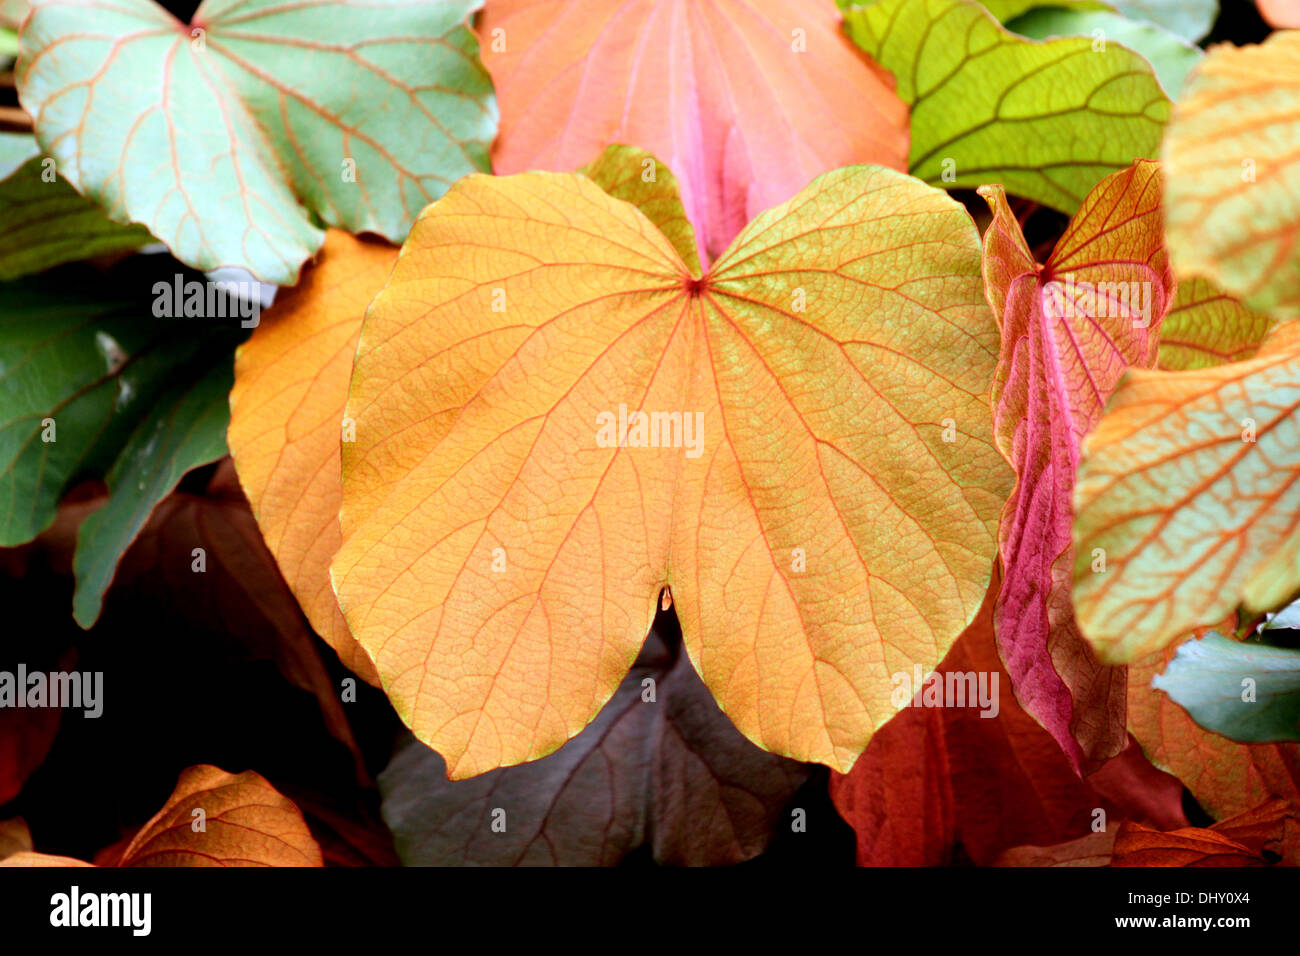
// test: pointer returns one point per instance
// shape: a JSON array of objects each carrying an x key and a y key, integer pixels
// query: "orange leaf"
[
  {"x": 247, "y": 823},
  {"x": 826, "y": 521},
  {"x": 1137, "y": 845},
  {"x": 747, "y": 100},
  {"x": 286, "y": 411}
]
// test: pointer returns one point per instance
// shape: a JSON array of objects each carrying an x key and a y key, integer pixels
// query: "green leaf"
[
  {"x": 1170, "y": 55},
  {"x": 1188, "y": 19},
  {"x": 215, "y": 135},
  {"x": 1046, "y": 120},
  {"x": 77, "y": 375},
  {"x": 43, "y": 221},
  {"x": 8, "y": 42},
  {"x": 1246, "y": 691},
  {"x": 184, "y": 429}
]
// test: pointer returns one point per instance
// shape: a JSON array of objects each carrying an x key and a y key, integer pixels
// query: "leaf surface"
[
  {"x": 1232, "y": 174},
  {"x": 186, "y": 428},
  {"x": 224, "y": 136},
  {"x": 93, "y": 366},
  {"x": 1208, "y": 679},
  {"x": 1207, "y": 327},
  {"x": 1225, "y": 777},
  {"x": 248, "y": 823},
  {"x": 1170, "y": 56},
  {"x": 1046, "y": 120},
  {"x": 44, "y": 224},
  {"x": 1069, "y": 330},
  {"x": 816, "y": 365},
  {"x": 746, "y": 100},
  {"x": 1188, "y": 486},
  {"x": 671, "y": 773},
  {"x": 286, "y": 423}
]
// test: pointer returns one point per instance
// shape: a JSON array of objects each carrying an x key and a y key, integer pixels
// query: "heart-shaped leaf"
[
  {"x": 226, "y": 135},
  {"x": 1069, "y": 330},
  {"x": 1046, "y": 120},
  {"x": 1233, "y": 174},
  {"x": 746, "y": 100},
  {"x": 556, "y": 418},
  {"x": 1187, "y": 489}
]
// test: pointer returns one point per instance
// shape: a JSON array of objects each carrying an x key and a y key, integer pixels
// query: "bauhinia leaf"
[
  {"x": 43, "y": 222},
  {"x": 820, "y": 418},
  {"x": 660, "y": 765},
  {"x": 1206, "y": 327},
  {"x": 1046, "y": 120},
  {"x": 1225, "y": 777},
  {"x": 1187, "y": 486},
  {"x": 1069, "y": 330},
  {"x": 1233, "y": 177},
  {"x": 1170, "y": 56},
  {"x": 286, "y": 423},
  {"x": 82, "y": 373},
  {"x": 184, "y": 429},
  {"x": 1245, "y": 690},
  {"x": 222, "y": 136},
  {"x": 746, "y": 100},
  {"x": 246, "y": 822}
]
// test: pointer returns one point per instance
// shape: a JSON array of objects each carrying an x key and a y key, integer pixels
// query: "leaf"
[
  {"x": 93, "y": 366},
  {"x": 26, "y": 735},
  {"x": 1187, "y": 486},
  {"x": 1225, "y": 777},
  {"x": 1092, "y": 850},
  {"x": 1046, "y": 120},
  {"x": 247, "y": 824},
  {"x": 1280, "y": 14},
  {"x": 14, "y": 837},
  {"x": 44, "y": 224},
  {"x": 1208, "y": 679},
  {"x": 746, "y": 101},
  {"x": 670, "y": 773},
  {"x": 225, "y": 135},
  {"x": 1232, "y": 213},
  {"x": 1136, "y": 845},
  {"x": 1205, "y": 327},
  {"x": 286, "y": 421},
  {"x": 1069, "y": 330},
  {"x": 1170, "y": 56},
  {"x": 1005, "y": 10},
  {"x": 817, "y": 443},
  {"x": 1189, "y": 19},
  {"x": 939, "y": 784},
  {"x": 186, "y": 428}
]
